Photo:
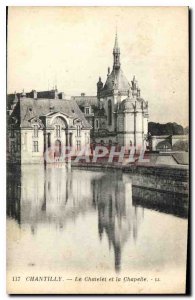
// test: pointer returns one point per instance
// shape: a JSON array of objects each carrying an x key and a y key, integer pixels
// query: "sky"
[{"x": 72, "y": 46}]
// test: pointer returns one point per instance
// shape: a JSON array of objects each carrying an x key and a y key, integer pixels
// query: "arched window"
[{"x": 109, "y": 112}]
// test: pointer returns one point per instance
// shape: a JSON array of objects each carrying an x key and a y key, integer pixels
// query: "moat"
[{"x": 86, "y": 220}]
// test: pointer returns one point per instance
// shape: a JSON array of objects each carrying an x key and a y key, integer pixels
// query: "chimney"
[
  {"x": 61, "y": 95},
  {"x": 23, "y": 94},
  {"x": 34, "y": 94},
  {"x": 82, "y": 94},
  {"x": 56, "y": 94}
]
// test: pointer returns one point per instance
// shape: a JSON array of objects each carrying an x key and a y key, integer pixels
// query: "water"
[{"x": 80, "y": 220}]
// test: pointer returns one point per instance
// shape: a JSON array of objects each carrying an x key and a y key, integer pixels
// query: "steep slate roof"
[
  {"x": 29, "y": 108},
  {"x": 115, "y": 80},
  {"x": 84, "y": 100},
  {"x": 42, "y": 94}
]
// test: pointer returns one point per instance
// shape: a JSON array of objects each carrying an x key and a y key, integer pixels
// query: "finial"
[
  {"x": 116, "y": 34},
  {"x": 116, "y": 39}
]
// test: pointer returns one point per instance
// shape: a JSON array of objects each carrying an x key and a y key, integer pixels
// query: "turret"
[
  {"x": 134, "y": 86},
  {"x": 99, "y": 87}
]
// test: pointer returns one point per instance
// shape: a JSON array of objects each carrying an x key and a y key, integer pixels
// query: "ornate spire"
[{"x": 116, "y": 53}]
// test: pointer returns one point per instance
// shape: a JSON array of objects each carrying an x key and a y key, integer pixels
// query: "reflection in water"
[
  {"x": 54, "y": 195},
  {"x": 116, "y": 215}
]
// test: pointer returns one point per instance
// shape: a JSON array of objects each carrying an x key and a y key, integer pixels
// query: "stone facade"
[
  {"x": 36, "y": 125},
  {"x": 118, "y": 114}
]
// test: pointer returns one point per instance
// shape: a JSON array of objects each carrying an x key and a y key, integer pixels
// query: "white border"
[{"x": 3, "y": 4}]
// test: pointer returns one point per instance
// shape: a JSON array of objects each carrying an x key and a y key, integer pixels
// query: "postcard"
[{"x": 97, "y": 150}]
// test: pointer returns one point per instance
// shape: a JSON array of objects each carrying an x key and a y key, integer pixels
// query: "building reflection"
[
  {"x": 117, "y": 217},
  {"x": 14, "y": 194},
  {"x": 57, "y": 196},
  {"x": 53, "y": 195}
]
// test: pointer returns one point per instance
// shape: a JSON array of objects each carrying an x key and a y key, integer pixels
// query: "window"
[
  {"x": 35, "y": 128},
  {"x": 17, "y": 141},
  {"x": 12, "y": 131},
  {"x": 70, "y": 139},
  {"x": 109, "y": 112},
  {"x": 57, "y": 130},
  {"x": 35, "y": 146},
  {"x": 12, "y": 147},
  {"x": 78, "y": 145},
  {"x": 97, "y": 124},
  {"x": 87, "y": 110},
  {"x": 86, "y": 139},
  {"x": 78, "y": 130}
]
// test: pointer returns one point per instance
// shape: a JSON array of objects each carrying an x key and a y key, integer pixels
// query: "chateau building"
[
  {"x": 41, "y": 121},
  {"x": 38, "y": 121},
  {"x": 118, "y": 114}
]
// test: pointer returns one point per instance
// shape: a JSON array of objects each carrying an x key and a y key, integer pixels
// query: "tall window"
[
  {"x": 97, "y": 124},
  {"x": 78, "y": 145},
  {"x": 87, "y": 110},
  {"x": 35, "y": 127},
  {"x": 57, "y": 130},
  {"x": 35, "y": 146},
  {"x": 78, "y": 130},
  {"x": 12, "y": 131},
  {"x": 86, "y": 139},
  {"x": 12, "y": 147},
  {"x": 70, "y": 139},
  {"x": 109, "y": 112},
  {"x": 18, "y": 141}
]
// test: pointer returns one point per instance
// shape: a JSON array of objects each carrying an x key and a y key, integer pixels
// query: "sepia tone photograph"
[{"x": 97, "y": 150}]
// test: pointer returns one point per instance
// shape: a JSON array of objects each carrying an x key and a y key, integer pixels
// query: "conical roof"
[{"x": 116, "y": 80}]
